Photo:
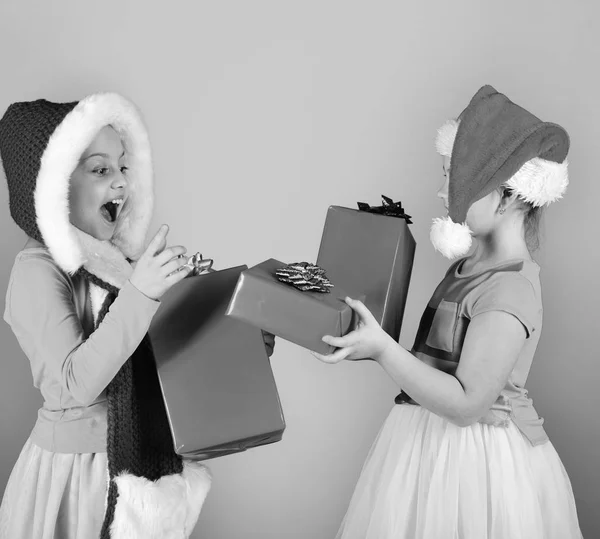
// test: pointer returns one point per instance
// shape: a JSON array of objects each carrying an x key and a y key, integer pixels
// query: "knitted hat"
[
  {"x": 493, "y": 143},
  {"x": 151, "y": 492}
]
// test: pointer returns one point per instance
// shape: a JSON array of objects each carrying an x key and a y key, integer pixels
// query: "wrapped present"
[
  {"x": 214, "y": 371},
  {"x": 296, "y": 302},
  {"x": 371, "y": 250}
]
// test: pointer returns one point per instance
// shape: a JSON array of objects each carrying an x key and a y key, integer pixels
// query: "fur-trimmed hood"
[{"x": 41, "y": 144}]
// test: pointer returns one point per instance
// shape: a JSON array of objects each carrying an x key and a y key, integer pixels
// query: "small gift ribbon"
[
  {"x": 305, "y": 276},
  {"x": 389, "y": 208},
  {"x": 198, "y": 265}
]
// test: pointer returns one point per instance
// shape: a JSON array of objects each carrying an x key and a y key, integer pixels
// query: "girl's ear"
[{"x": 508, "y": 197}]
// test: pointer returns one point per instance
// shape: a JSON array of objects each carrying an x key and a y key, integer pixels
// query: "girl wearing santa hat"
[{"x": 463, "y": 453}]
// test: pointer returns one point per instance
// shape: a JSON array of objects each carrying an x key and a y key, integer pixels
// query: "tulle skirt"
[
  {"x": 54, "y": 495},
  {"x": 426, "y": 478}
]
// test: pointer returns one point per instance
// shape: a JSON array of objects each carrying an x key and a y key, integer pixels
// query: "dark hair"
[{"x": 532, "y": 217}]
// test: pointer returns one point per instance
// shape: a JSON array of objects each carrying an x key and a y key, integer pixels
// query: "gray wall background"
[{"x": 264, "y": 113}]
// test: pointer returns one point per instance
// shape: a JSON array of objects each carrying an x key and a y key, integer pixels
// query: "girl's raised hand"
[
  {"x": 368, "y": 340},
  {"x": 158, "y": 269}
]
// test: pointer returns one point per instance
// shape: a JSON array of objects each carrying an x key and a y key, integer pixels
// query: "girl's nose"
[{"x": 119, "y": 181}]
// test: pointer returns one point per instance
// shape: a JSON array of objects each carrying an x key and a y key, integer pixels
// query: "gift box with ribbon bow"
[
  {"x": 296, "y": 302},
  {"x": 371, "y": 250},
  {"x": 216, "y": 379}
]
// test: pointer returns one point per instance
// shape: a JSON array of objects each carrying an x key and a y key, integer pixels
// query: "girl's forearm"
[{"x": 439, "y": 392}]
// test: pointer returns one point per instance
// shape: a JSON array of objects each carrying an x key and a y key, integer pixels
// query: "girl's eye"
[
  {"x": 124, "y": 169},
  {"x": 101, "y": 171}
]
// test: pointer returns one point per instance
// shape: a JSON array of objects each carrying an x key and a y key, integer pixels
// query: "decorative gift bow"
[
  {"x": 305, "y": 276},
  {"x": 198, "y": 265},
  {"x": 389, "y": 208}
]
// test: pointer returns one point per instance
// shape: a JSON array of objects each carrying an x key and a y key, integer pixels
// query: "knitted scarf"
[{"x": 138, "y": 432}]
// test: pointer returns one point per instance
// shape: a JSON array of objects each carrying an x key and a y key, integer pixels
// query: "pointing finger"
[{"x": 159, "y": 239}]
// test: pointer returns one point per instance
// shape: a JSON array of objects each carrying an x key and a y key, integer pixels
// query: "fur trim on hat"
[
  {"x": 540, "y": 182},
  {"x": 61, "y": 157},
  {"x": 449, "y": 238},
  {"x": 445, "y": 138},
  {"x": 167, "y": 508}
]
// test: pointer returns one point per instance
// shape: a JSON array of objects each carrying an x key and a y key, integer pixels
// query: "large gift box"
[
  {"x": 214, "y": 371},
  {"x": 371, "y": 251},
  {"x": 301, "y": 317}
]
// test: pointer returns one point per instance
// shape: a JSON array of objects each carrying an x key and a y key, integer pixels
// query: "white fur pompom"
[
  {"x": 540, "y": 182},
  {"x": 449, "y": 238},
  {"x": 445, "y": 138}
]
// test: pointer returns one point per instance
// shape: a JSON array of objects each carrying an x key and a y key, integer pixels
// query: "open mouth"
[{"x": 110, "y": 210}]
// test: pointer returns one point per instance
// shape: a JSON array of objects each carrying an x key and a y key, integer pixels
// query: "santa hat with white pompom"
[{"x": 493, "y": 143}]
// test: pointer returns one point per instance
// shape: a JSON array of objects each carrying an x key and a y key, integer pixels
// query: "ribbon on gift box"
[
  {"x": 198, "y": 265},
  {"x": 388, "y": 208},
  {"x": 305, "y": 276}
]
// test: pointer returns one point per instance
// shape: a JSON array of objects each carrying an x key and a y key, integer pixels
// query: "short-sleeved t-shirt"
[{"x": 512, "y": 287}]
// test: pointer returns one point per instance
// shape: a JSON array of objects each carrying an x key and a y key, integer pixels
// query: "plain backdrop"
[{"x": 264, "y": 113}]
